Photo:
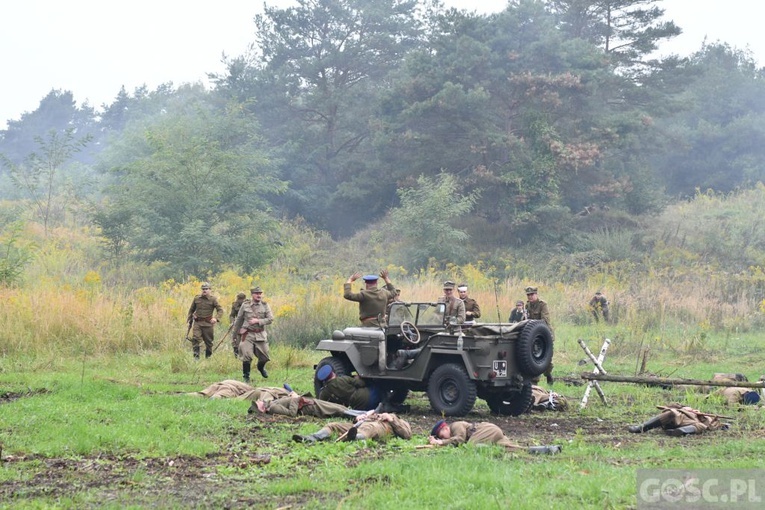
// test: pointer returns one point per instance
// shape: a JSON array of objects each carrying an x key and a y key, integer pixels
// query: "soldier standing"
[
  {"x": 598, "y": 305},
  {"x": 372, "y": 300},
  {"x": 235, "y": 306},
  {"x": 537, "y": 309},
  {"x": 472, "y": 310},
  {"x": 201, "y": 314},
  {"x": 251, "y": 322}
]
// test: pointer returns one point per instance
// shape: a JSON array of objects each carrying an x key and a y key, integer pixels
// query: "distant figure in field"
[
  {"x": 472, "y": 310},
  {"x": 201, "y": 316},
  {"x": 235, "y": 306},
  {"x": 537, "y": 309},
  {"x": 598, "y": 306}
]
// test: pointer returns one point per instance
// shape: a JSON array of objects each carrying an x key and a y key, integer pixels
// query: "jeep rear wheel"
[
  {"x": 513, "y": 403},
  {"x": 340, "y": 367},
  {"x": 450, "y": 390},
  {"x": 534, "y": 349}
]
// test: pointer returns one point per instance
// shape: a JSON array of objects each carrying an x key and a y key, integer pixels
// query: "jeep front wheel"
[
  {"x": 450, "y": 390},
  {"x": 512, "y": 403},
  {"x": 339, "y": 366},
  {"x": 534, "y": 349}
]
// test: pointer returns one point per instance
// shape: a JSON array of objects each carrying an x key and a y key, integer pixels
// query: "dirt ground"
[{"x": 197, "y": 482}]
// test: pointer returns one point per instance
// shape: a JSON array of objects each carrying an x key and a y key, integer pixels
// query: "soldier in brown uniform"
[
  {"x": 368, "y": 426},
  {"x": 372, "y": 300},
  {"x": 351, "y": 391},
  {"x": 251, "y": 322},
  {"x": 536, "y": 309},
  {"x": 679, "y": 420},
  {"x": 461, "y": 432},
  {"x": 235, "y": 306},
  {"x": 472, "y": 310},
  {"x": 455, "y": 307},
  {"x": 599, "y": 304},
  {"x": 201, "y": 313}
]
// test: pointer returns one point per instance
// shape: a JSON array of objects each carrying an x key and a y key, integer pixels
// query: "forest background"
[{"x": 542, "y": 144}]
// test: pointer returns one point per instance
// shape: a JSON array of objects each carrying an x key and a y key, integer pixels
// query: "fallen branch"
[{"x": 666, "y": 381}]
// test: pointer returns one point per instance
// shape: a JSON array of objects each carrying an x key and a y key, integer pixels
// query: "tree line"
[{"x": 428, "y": 125}]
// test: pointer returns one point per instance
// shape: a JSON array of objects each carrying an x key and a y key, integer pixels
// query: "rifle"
[
  {"x": 191, "y": 324},
  {"x": 224, "y": 337}
]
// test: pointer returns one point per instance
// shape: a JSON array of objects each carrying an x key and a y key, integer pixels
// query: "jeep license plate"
[{"x": 500, "y": 367}]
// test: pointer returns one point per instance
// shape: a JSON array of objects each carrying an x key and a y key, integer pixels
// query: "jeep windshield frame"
[{"x": 429, "y": 315}]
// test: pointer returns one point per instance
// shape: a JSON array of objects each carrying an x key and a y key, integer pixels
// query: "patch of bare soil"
[{"x": 226, "y": 479}]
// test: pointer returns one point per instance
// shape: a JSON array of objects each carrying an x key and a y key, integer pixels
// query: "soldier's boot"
[
  {"x": 196, "y": 352},
  {"x": 321, "y": 435},
  {"x": 653, "y": 423},
  {"x": 352, "y": 434},
  {"x": 681, "y": 431},
  {"x": 262, "y": 369},
  {"x": 550, "y": 379},
  {"x": 208, "y": 353},
  {"x": 246, "y": 371},
  {"x": 548, "y": 449}
]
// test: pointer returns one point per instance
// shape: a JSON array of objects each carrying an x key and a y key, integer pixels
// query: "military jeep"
[{"x": 421, "y": 350}]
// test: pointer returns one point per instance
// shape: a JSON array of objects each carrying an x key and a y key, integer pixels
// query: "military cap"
[
  {"x": 531, "y": 290},
  {"x": 323, "y": 373},
  {"x": 519, "y": 303},
  {"x": 437, "y": 427},
  {"x": 598, "y": 293},
  {"x": 256, "y": 290},
  {"x": 448, "y": 284},
  {"x": 370, "y": 277},
  {"x": 205, "y": 285},
  {"x": 750, "y": 397},
  {"x": 241, "y": 295}
]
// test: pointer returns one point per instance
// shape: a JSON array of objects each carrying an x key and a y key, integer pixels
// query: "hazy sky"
[{"x": 93, "y": 47}]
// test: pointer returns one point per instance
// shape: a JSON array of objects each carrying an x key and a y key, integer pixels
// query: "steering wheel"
[{"x": 410, "y": 332}]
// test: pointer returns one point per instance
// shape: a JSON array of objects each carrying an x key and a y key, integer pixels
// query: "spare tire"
[
  {"x": 534, "y": 348},
  {"x": 340, "y": 366}
]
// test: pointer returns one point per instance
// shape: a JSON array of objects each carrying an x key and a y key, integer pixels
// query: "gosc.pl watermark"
[{"x": 700, "y": 489}]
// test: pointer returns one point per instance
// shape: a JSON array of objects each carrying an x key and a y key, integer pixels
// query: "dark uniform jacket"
[
  {"x": 349, "y": 391},
  {"x": 538, "y": 310},
  {"x": 203, "y": 307},
  {"x": 472, "y": 306},
  {"x": 372, "y": 302}
]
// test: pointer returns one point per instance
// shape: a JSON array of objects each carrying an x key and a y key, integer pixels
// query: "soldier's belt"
[
  {"x": 204, "y": 319},
  {"x": 255, "y": 330}
]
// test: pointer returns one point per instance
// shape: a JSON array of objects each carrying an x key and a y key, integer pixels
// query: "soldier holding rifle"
[{"x": 203, "y": 321}]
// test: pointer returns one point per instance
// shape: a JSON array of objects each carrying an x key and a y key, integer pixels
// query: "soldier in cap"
[
  {"x": 201, "y": 313},
  {"x": 371, "y": 425},
  {"x": 251, "y": 322},
  {"x": 350, "y": 391},
  {"x": 519, "y": 313},
  {"x": 678, "y": 420},
  {"x": 472, "y": 310},
  {"x": 372, "y": 300},
  {"x": 536, "y": 309},
  {"x": 235, "y": 306},
  {"x": 455, "y": 307},
  {"x": 461, "y": 432},
  {"x": 598, "y": 305}
]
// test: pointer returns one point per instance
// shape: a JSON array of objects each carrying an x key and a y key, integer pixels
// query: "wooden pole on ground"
[{"x": 666, "y": 381}]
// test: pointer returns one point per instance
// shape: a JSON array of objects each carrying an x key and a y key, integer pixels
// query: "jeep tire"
[
  {"x": 534, "y": 348},
  {"x": 340, "y": 366},
  {"x": 450, "y": 390},
  {"x": 513, "y": 403}
]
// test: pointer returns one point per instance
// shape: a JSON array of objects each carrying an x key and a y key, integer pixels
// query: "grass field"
[{"x": 81, "y": 430}]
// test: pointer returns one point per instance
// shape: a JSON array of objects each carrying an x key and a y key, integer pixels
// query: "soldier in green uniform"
[
  {"x": 599, "y": 304},
  {"x": 201, "y": 313},
  {"x": 537, "y": 309},
  {"x": 235, "y": 306},
  {"x": 351, "y": 391},
  {"x": 461, "y": 432},
  {"x": 251, "y": 322},
  {"x": 372, "y": 300},
  {"x": 678, "y": 420},
  {"x": 472, "y": 310},
  {"x": 369, "y": 426},
  {"x": 295, "y": 405}
]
